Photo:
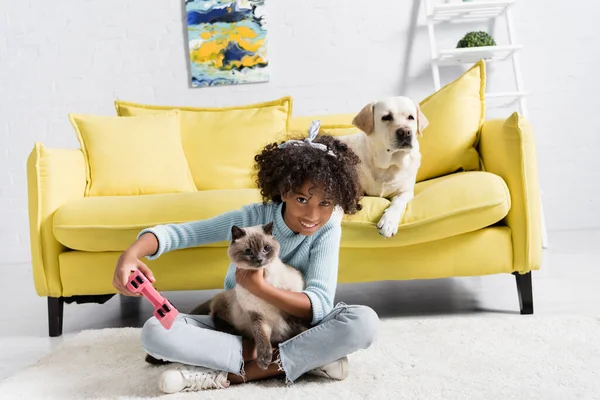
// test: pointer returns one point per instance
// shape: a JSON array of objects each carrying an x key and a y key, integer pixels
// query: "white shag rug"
[{"x": 467, "y": 357}]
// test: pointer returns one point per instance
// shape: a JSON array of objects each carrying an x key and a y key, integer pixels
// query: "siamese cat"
[{"x": 250, "y": 249}]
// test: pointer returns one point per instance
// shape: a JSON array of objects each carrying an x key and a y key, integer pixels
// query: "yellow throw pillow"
[
  {"x": 455, "y": 113},
  {"x": 133, "y": 155},
  {"x": 220, "y": 143}
]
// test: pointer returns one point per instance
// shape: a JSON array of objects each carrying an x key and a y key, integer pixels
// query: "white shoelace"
[{"x": 208, "y": 379}]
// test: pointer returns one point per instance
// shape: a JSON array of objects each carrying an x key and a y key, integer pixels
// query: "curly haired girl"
[{"x": 307, "y": 186}]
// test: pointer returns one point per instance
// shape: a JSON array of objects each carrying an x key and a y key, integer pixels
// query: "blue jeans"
[{"x": 193, "y": 340}]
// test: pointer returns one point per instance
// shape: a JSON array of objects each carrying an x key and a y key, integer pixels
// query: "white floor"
[{"x": 567, "y": 284}]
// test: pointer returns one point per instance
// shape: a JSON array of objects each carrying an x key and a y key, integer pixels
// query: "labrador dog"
[{"x": 389, "y": 152}]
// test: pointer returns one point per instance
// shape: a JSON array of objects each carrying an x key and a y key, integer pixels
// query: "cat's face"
[{"x": 253, "y": 247}]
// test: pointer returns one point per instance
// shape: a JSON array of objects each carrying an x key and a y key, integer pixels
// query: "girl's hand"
[
  {"x": 251, "y": 280},
  {"x": 127, "y": 264}
]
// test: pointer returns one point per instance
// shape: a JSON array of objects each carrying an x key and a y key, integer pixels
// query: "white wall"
[{"x": 331, "y": 56}]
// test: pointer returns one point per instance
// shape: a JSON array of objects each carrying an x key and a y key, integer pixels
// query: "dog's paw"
[{"x": 388, "y": 224}]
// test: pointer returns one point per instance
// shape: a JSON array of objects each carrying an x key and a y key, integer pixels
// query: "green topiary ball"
[{"x": 476, "y": 39}]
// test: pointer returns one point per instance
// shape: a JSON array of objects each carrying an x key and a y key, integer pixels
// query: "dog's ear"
[
  {"x": 422, "y": 120},
  {"x": 364, "y": 120}
]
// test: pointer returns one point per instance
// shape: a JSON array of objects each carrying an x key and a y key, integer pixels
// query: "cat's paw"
[{"x": 264, "y": 358}]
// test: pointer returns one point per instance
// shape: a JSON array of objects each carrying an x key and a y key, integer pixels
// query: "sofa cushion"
[
  {"x": 301, "y": 123},
  {"x": 442, "y": 207},
  {"x": 220, "y": 143},
  {"x": 113, "y": 223},
  {"x": 133, "y": 155},
  {"x": 455, "y": 114}
]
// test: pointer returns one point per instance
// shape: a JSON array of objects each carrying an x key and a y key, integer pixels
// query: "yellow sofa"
[{"x": 475, "y": 212}]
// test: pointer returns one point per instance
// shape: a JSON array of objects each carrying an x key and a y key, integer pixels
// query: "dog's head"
[{"x": 393, "y": 122}]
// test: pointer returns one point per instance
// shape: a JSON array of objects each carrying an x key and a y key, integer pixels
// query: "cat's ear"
[
  {"x": 236, "y": 232},
  {"x": 268, "y": 228}
]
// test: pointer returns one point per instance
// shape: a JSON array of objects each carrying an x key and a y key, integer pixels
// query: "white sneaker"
[
  {"x": 188, "y": 378},
  {"x": 338, "y": 370}
]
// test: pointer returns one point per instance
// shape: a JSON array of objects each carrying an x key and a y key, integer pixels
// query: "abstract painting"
[{"x": 227, "y": 41}]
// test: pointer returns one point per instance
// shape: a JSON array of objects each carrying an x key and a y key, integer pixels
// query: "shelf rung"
[
  {"x": 471, "y": 55},
  {"x": 505, "y": 94},
  {"x": 468, "y": 11},
  {"x": 494, "y": 99}
]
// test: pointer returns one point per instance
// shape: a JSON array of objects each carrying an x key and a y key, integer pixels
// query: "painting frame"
[{"x": 227, "y": 42}]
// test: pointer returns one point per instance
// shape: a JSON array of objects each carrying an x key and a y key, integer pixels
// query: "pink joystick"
[{"x": 164, "y": 311}]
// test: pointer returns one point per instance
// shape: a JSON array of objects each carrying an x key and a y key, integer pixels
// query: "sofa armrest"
[
  {"x": 507, "y": 149},
  {"x": 54, "y": 177}
]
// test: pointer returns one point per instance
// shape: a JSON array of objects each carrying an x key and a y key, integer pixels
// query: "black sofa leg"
[
  {"x": 55, "y": 316},
  {"x": 525, "y": 290}
]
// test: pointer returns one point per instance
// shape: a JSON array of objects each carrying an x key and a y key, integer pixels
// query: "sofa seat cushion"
[
  {"x": 113, "y": 223},
  {"x": 442, "y": 207}
]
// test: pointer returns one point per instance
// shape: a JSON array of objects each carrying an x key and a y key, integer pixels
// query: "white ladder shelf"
[{"x": 456, "y": 12}]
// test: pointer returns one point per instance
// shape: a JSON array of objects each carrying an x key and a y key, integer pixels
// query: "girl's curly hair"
[{"x": 279, "y": 170}]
